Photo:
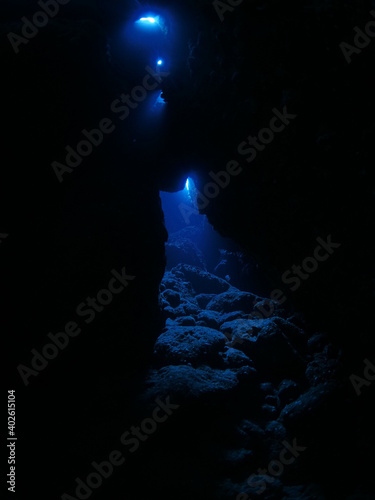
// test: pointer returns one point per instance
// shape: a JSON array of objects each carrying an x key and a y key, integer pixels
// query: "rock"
[
  {"x": 189, "y": 344},
  {"x": 265, "y": 308},
  {"x": 297, "y": 337},
  {"x": 310, "y": 492},
  {"x": 222, "y": 268},
  {"x": 232, "y": 300},
  {"x": 269, "y": 411},
  {"x": 203, "y": 299},
  {"x": 215, "y": 319},
  {"x": 267, "y": 388},
  {"x": 321, "y": 368},
  {"x": 276, "y": 430},
  {"x": 263, "y": 487},
  {"x": 201, "y": 323},
  {"x": 183, "y": 250},
  {"x": 184, "y": 383},
  {"x": 236, "y": 457},
  {"x": 248, "y": 375},
  {"x": 172, "y": 313},
  {"x": 170, "y": 282},
  {"x": 288, "y": 391},
  {"x": 257, "y": 484},
  {"x": 240, "y": 327},
  {"x": 190, "y": 307},
  {"x": 185, "y": 321},
  {"x": 173, "y": 298},
  {"x": 252, "y": 434},
  {"x": 297, "y": 319},
  {"x": 233, "y": 358},
  {"x": 192, "y": 254},
  {"x": 210, "y": 319},
  {"x": 163, "y": 303},
  {"x": 201, "y": 280},
  {"x": 307, "y": 405},
  {"x": 175, "y": 280},
  {"x": 272, "y": 352},
  {"x": 316, "y": 343}
]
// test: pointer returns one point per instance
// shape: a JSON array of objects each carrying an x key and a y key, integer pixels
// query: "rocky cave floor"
[{"x": 249, "y": 387}]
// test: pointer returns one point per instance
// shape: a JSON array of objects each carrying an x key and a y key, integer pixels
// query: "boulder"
[
  {"x": 185, "y": 383},
  {"x": 189, "y": 344},
  {"x": 232, "y": 300},
  {"x": 201, "y": 280}
]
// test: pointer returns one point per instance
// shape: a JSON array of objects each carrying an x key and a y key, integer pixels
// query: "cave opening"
[{"x": 193, "y": 241}]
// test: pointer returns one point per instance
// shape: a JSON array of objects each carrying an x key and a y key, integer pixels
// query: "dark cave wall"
[
  {"x": 64, "y": 240},
  {"x": 105, "y": 215}
]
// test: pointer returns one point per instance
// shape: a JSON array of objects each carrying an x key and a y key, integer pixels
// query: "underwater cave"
[{"x": 186, "y": 252}]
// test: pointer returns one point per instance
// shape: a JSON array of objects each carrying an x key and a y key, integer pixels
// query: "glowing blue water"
[{"x": 151, "y": 20}]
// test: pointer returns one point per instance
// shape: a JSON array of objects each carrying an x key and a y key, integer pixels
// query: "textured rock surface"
[
  {"x": 189, "y": 344},
  {"x": 278, "y": 383},
  {"x": 186, "y": 383}
]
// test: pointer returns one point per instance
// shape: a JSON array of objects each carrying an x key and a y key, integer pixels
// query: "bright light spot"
[
  {"x": 187, "y": 184},
  {"x": 151, "y": 20},
  {"x": 154, "y": 22},
  {"x": 160, "y": 62},
  {"x": 159, "y": 103}
]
